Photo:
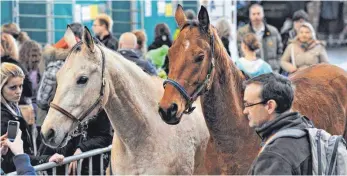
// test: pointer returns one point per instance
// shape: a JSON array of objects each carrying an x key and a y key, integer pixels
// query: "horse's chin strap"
[{"x": 84, "y": 119}]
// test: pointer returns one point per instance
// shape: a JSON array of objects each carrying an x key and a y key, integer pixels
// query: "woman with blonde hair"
[
  {"x": 12, "y": 78},
  {"x": 9, "y": 54},
  {"x": 305, "y": 50}
]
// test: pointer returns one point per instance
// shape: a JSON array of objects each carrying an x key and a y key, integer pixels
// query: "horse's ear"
[
  {"x": 180, "y": 16},
  {"x": 204, "y": 19},
  {"x": 88, "y": 39},
  {"x": 69, "y": 37}
]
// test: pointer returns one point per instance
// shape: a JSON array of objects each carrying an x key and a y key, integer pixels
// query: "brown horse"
[{"x": 200, "y": 66}]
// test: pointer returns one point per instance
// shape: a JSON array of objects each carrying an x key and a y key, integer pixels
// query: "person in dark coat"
[
  {"x": 127, "y": 47},
  {"x": 267, "y": 100},
  {"x": 11, "y": 90},
  {"x": 102, "y": 28},
  {"x": 162, "y": 37}
]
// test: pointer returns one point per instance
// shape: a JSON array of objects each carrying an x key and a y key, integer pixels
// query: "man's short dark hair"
[
  {"x": 77, "y": 29},
  {"x": 275, "y": 87},
  {"x": 300, "y": 14}
]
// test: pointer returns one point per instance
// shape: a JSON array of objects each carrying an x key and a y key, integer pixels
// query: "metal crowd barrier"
[{"x": 68, "y": 160}]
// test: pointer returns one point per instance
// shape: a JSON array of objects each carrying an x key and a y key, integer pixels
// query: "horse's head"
[
  {"x": 191, "y": 59},
  {"x": 79, "y": 92}
]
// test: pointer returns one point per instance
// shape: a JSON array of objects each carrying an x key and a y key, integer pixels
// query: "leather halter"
[
  {"x": 84, "y": 118},
  {"x": 198, "y": 91}
]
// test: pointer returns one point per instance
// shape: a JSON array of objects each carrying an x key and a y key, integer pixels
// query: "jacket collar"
[
  {"x": 266, "y": 32},
  {"x": 285, "y": 120}
]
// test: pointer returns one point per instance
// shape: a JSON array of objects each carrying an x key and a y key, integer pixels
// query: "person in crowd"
[
  {"x": 271, "y": 43},
  {"x": 14, "y": 30},
  {"x": 250, "y": 64},
  {"x": 30, "y": 55},
  {"x": 268, "y": 100},
  {"x": 127, "y": 46},
  {"x": 12, "y": 78},
  {"x": 102, "y": 28},
  {"x": 141, "y": 48},
  {"x": 298, "y": 18},
  {"x": 190, "y": 15},
  {"x": 9, "y": 54},
  {"x": 305, "y": 50},
  {"x": 162, "y": 37},
  {"x": 223, "y": 29}
]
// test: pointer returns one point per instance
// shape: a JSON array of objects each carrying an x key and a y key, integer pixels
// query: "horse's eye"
[
  {"x": 82, "y": 80},
  {"x": 199, "y": 58}
]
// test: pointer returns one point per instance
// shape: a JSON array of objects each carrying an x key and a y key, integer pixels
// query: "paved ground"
[{"x": 338, "y": 56}]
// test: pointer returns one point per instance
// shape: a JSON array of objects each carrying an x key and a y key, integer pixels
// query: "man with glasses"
[{"x": 267, "y": 105}]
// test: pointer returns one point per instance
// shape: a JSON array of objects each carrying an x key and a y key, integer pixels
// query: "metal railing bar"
[
  {"x": 70, "y": 159},
  {"x": 102, "y": 164},
  {"x": 66, "y": 169},
  {"x": 90, "y": 165},
  {"x": 79, "y": 167},
  {"x": 54, "y": 171}
]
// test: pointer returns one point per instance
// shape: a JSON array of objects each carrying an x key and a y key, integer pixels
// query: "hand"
[
  {"x": 73, "y": 165},
  {"x": 17, "y": 145},
  {"x": 3, "y": 146},
  {"x": 57, "y": 158}
]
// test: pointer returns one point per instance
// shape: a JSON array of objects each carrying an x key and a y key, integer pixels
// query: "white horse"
[{"x": 95, "y": 77}]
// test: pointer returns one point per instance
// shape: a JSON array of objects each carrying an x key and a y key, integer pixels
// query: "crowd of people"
[{"x": 29, "y": 71}]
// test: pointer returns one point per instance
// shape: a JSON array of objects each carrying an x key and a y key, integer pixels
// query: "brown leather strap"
[{"x": 61, "y": 110}]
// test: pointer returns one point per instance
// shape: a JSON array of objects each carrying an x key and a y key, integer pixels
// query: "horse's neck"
[
  {"x": 222, "y": 104},
  {"x": 131, "y": 100}
]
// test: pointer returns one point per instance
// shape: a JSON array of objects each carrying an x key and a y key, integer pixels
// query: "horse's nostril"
[
  {"x": 173, "y": 109},
  {"x": 161, "y": 112},
  {"x": 50, "y": 134}
]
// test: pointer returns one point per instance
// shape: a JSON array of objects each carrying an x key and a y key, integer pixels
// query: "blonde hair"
[
  {"x": 105, "y": 19},
  {"x": 9, "y": 46},
  {"x": 8, "y": 71}
]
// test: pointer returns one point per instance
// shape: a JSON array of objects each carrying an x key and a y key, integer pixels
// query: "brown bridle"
[{"x": 84, "y": 118}]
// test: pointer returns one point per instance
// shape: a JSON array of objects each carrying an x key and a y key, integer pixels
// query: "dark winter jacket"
[
  {"x": 98, "y": 136},
  {"x": 145, "y": 65},
  {"x": 7, "y": 164},
  {"x": 109, "y": 41},
  {"x": 27, "y": 84},
  {"x": 284, "y": 156}
]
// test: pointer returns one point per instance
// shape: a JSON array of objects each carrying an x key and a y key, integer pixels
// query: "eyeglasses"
[{"x": 250, "y": 105}]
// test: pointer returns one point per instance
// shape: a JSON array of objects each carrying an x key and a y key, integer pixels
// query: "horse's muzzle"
[{"x": 170, "y": 115}]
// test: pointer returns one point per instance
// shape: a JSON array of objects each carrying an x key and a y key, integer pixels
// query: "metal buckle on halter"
[{"x": 103, "y": 81}]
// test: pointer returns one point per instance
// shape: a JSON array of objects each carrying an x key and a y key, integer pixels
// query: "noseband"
[
  {"x": 84, "y": 118},
  {"x": 199, "y": 90}
]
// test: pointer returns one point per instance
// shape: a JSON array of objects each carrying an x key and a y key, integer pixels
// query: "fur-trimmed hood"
[{"x": 51, "y": 54}]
